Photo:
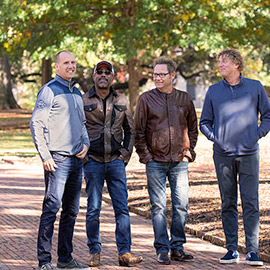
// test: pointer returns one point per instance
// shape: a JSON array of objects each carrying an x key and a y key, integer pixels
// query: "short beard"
[{"x": 103, "y": 85}]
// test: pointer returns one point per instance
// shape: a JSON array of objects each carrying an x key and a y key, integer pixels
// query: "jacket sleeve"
[
  {"x": 140, "y": 131},
  {"x": 129, "y": 134},
  {"x": 207, "y": 118},
  {"x": 39, "y": 122},
  {"x": 85, "y": 136},
  {"x": 264, "y": 109},
  {"x": 192, "y": 130}
]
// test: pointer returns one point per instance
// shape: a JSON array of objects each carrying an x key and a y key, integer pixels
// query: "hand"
[
  {"x": 83, "y": 153},
  {"x": 49, "y": 165}
]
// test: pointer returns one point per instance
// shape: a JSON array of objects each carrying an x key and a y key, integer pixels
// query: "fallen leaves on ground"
[{"x": 204, "y": 212}]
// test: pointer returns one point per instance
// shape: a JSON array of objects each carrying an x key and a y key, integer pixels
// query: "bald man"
[{"x": 59, "y": 133}]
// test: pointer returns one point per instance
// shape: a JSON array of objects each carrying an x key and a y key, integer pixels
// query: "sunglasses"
[{"x": 100, "y": 72}]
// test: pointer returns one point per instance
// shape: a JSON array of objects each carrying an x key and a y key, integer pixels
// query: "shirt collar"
[
  {"x": 92, "y": 92},
  {"x": 241, "y": 80},
  {"x": 69, "y": 84}
]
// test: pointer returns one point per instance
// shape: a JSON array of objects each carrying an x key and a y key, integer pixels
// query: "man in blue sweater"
[
  {"x": 230, "y": 119},
  {"x": 60, "y": 136}
]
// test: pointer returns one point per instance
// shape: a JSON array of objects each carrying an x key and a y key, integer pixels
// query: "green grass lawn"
[
  {"x": 17, "y": 142},
  {"x": 10, "y": 119}
]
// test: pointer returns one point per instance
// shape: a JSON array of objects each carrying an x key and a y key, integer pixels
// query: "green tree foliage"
[{"x": 131, "y": 33}]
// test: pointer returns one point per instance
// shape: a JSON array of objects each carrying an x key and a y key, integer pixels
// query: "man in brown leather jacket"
[
  {"x": 110, "y": 128},
  {"x": 166, "y": 134}
]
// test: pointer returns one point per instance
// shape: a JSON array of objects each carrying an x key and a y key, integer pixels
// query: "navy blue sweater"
[{"x": 230, "y": 117}]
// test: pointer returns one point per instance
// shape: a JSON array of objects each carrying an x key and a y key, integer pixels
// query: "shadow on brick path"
[{"x": 21, "y": 194}]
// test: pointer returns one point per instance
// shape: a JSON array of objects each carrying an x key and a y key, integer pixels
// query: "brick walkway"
[{"x": 21, "y": 194}]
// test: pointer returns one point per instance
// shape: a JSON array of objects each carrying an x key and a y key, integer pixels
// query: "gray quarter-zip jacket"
[{"x": 58, "y": 120}]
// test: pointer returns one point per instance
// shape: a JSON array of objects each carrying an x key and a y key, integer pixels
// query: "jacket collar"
[
  {"x": 92, "y": 92},
  {"x": 69, "y": 84},
  {"x": 157, "y": 91}
]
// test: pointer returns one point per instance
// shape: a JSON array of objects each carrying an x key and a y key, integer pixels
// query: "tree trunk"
[
  {"x": 46, "y": 70},
  {"x": 7, "y": 100},
  {"x": 133, "y": 84}
]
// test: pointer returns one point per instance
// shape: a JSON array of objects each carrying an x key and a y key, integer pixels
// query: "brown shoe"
[
  {"x": 128, "y": 259},
  {"x": 94, "y": 260},
  {"x": 181, "y": 256}
]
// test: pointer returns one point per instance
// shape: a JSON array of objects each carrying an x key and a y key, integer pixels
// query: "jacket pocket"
[
  {"x": 118, "y": 116},
  {"x": 58, "y": 157},
  {"x": 160, "y": 142},
  {"x": 90, "y": 108},
  {"x": 120, "y": 108}
]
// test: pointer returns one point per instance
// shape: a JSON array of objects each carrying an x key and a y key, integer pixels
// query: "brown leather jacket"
[
  {"x": 166, "y": 126},
  {"x": 111, "y": 134}
]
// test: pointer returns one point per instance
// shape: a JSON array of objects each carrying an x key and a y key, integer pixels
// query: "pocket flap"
[
  {"x": 90, "y": 108},
  {"x": 120, "y": 108}
]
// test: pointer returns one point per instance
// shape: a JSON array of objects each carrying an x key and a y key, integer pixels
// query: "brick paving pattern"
[{"x": 21, "y": 195}]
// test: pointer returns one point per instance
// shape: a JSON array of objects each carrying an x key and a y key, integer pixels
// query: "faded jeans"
[
  {"x": 63, "y": 185},
  {"x": 177, "y": 173},
  {"x": 95, "y": 174}
]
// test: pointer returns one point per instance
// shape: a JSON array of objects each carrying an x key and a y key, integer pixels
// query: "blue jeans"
[
  {"x": 63, "y": 185},
  {"x": 177, "y": 173},
  {"x": 114, "y": 172},
  {"x": 247, "y": 168}
]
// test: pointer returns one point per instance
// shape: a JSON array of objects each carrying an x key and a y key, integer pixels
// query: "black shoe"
[
  {"x": 253, "y": 259},
  {"x": 47, "y": 266},
  {"x": 181, "y": 256},
  {"x": 231, "y": 256},
  {"x": 163, "y": 258},
  {"x": 73, "y": 264}
]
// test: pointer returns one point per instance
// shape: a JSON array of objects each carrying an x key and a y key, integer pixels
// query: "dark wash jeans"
[
  {"x": 247, "y": 168},
  {"x": 114, "y": 172},
  {"x": 63, "y": 185},
  {"x": 177, "y": 174}
]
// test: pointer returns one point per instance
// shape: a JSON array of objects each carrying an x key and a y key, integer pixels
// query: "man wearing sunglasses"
[
  {"x": 109, "y": 125},
  {"x": 166, "y": 134}
]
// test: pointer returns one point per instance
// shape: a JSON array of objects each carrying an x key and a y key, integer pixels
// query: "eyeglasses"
[
  {"x": 100, "y": 72},
  {"x": 160, "y": 75}
]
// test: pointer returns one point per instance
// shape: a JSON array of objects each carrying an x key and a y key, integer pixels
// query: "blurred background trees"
[{"x": 130, "y": 34}]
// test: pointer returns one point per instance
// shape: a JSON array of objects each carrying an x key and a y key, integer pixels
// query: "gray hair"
[{"x": 235, "y": 56}]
